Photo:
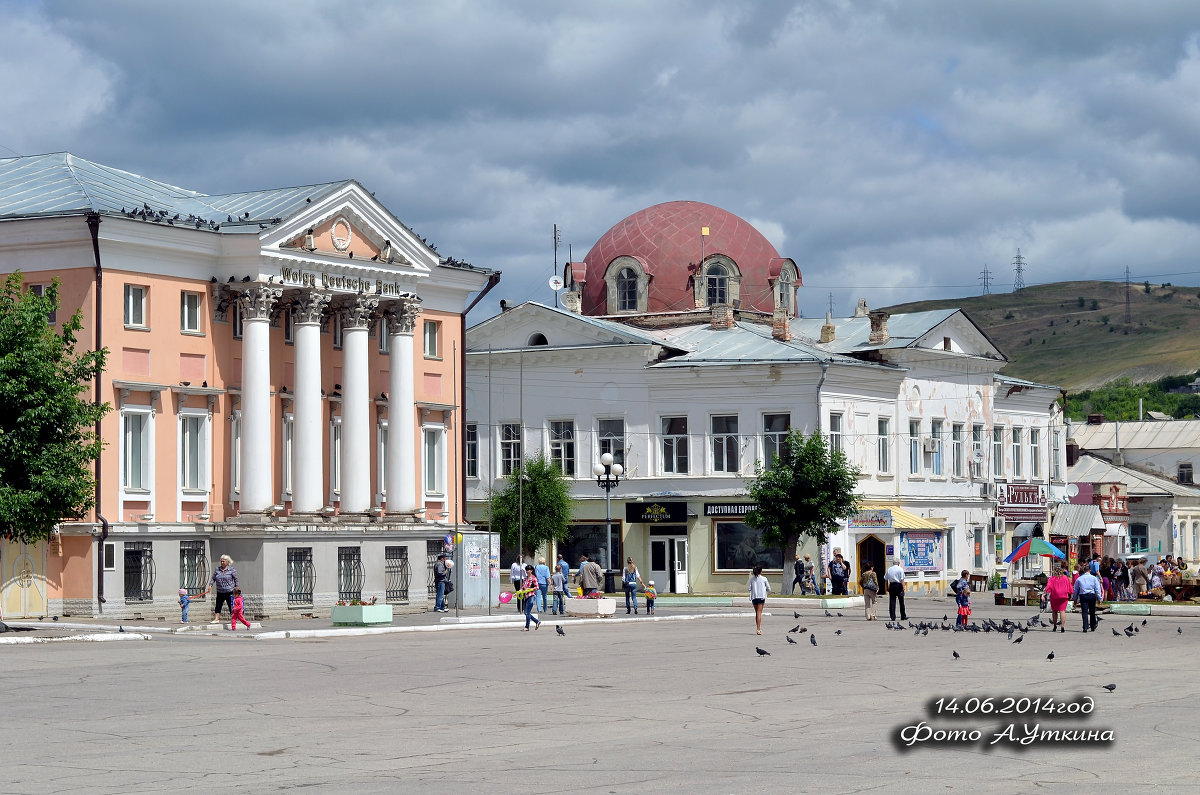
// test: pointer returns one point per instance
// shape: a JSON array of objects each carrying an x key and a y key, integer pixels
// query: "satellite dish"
[
  {"x": 1072, "y": 490},
  {"x": 556, "y": 283},
  {"x": 976, "y": 456}
]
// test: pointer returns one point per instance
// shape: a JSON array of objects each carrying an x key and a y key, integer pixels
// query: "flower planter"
[
  {"x": 360, "y": 615},
  {"x": 591, "y": 608}
]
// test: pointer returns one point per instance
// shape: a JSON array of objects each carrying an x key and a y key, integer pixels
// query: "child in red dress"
[{"x": 237, "y": 610}]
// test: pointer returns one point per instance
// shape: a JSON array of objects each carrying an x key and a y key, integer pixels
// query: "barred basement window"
[
  {"x": 139, "y": 571},
  {"x": 300, "y": 576},
  {"x": 350, "y": 573},
  {"x": 193, "y": 567},
  {"x": 396, "y": 575},
  {"x": 432, "y": 550}
]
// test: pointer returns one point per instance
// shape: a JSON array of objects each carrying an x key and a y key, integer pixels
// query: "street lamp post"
[{"x": 608, "y": 477}]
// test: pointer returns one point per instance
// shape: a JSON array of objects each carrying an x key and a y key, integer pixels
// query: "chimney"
[
  {"x": 879, "y": 334},
  {"x": 828, "y": 330},
  {"x": 860, "y": 310},
  {"x": 1072, "y": 452},
  {"x": 1095, "y": 419},
  {"x": 781, "y": 327},
  {"x": 571, "y": 302},
  {"x": 722, "y": 316}
]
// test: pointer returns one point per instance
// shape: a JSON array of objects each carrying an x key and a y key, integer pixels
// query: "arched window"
[
  {"x": 627, "y": 290},
  {"x": 786, "y": 290},
  {"x": 537, "y": 338},
  {"x": 716, "y": 282}
]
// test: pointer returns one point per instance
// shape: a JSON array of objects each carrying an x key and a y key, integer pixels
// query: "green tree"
[
  {"x": 47, "y": 428},
  {"x": 542, "y": 495},
  {"x": 804, "y": 491}
]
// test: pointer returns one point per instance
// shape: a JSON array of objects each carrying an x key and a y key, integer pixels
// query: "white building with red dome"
[{"x": 679, "y": 351}]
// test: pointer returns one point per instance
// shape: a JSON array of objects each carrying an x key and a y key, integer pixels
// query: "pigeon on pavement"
[
  {"x": 956, "y": 654},
  {"x": 558, "y": 628},
  {"x": 795, "y": 628},
  {"x": 795, "y": 614},
  {"x": 1109, "y": 688},
  {"x": 788, "y": 638},
  {"x": 1050, "y": 656},
  {"x": 812, "y": 639},
  {"x": 762, "y": 652},
  {"x": 1115, "y": 633},
  {"x": 828, "y": 614},
  {"x": 839, "y": 632},
  {"x": 1018, "y": 640}
]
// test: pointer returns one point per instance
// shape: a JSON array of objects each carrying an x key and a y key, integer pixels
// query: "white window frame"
[
  {"x": 1035, "y": 453},
  {"x": 190, "y": 306},
  {"x": 287, "y": 444},
  {"x": 146, "y": 443},
  {"x": 675, "y": 448},
  {"x": 135, "y": 306},
  {"x": 235, "y": 456},
  {"x": 958, "y": 456},
  {"x": 1055, "y": 461},
  {"x": 724, "y": 445},
  {"x": 836, "y": 431},
  {"x": 560, "y": 446},
  {"x": 431, "y": 331},
  {"x": 998, "y": 451},
  {"x": 914, "y": 447},
  {"x": 607, "y": 442},
  {"x": 936, "y": 459},
  {"x": 433, "y": 435},
  {"x": 204, "y": 443},
  {"x": 385, "y": 344},
  {"x": 1018, "y": 448},
  {"x": 773, "y": 440},
  {"x": 977, "y": 440},
  {"x": 381, "y": 444},
  {"x": 511, "y": 447},
  {"x": 335, "y": 459},
  {"x": 883, "y": 440},
  {"x": 471, "y": 461},
  {"x": 627, "y": 289}
]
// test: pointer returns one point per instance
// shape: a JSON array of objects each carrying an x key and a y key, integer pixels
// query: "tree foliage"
[
  {"x": 1119, "y": 399},
  {"x": 804, "y": 491},
  {"x": 543, "y": 496},
  {"x": 47, "y": 427}
]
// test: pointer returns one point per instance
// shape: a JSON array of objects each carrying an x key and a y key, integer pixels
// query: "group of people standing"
[{"x": 539, "y": 583}]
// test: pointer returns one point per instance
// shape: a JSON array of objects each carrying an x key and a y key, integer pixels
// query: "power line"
[
  {"x": 1128, "y": 316},
  {"x": 986, "y": 278},
  {"x": 1019, "y": 272}
]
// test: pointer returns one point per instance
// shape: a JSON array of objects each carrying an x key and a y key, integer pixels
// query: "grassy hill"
[{"x": 1074, "y": 334}]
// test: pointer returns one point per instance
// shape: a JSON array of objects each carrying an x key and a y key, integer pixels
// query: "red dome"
[{"x": 667, "y": 242}]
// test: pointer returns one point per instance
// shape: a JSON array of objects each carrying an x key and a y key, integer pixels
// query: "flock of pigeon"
[
  {"x": 1012, "y": 631},
  {"x": 148, "y": 213}
]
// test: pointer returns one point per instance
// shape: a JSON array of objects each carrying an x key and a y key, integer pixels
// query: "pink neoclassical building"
[{"x": 285, "y": 377}]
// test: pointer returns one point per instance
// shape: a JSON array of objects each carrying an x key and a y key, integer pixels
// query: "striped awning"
[{"x": 1076, "y": 520}]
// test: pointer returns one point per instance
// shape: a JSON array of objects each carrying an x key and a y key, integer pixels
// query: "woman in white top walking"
[{"x": 759, "y": 588}]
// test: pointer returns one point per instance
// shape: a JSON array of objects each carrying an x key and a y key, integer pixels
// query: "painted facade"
[{"x": 284, "y": 375}]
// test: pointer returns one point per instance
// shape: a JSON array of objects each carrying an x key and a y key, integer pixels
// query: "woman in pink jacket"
[{"x": 1059, "y": 590}]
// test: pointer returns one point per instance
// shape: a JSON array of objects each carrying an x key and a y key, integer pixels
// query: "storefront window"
[
  {"x": 588, "y": 539},
  {"x": 740, "y": 548}
]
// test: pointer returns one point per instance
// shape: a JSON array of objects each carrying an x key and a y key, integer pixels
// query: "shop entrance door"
[{"x": 668, "y": 563}]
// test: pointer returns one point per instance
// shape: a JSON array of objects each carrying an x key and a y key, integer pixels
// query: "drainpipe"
[
  {"x": 492, "y": 281},
  {"x": 93, "y": 222}
]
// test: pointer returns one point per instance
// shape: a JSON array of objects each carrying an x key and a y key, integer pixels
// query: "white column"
[
  {"x": 402, "y": 416},
  {"x": 308, "y": 428},
  {"x": 356, "y": 405},
  {"x": 256, "y": 304}
]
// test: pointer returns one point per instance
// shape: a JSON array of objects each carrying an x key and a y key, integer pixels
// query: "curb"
[
  {"x": 94, "y": 638},
  {"x": 333, "y": 633}
]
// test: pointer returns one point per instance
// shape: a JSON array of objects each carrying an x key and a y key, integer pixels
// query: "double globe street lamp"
[{"x": 608, "y": 477}]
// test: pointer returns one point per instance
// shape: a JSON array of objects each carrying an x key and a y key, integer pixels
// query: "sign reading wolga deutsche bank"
[{"x": 655, "y": 512}]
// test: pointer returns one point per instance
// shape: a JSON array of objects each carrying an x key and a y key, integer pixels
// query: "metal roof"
[
  {"x": 1158, "y": 435},
  {"x": 1076, "y": 520},
  {"x": 1094, "y": 469},
  {"x": 743, "y": 343},
  {"x": 63, "y": 184},
  {"x": 851, "y": 334}
]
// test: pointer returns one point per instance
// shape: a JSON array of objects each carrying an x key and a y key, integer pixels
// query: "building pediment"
[{"x": 533, "y": 325}]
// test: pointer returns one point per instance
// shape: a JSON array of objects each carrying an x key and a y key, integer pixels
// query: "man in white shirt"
[
  {"x": 894, "y": 577},
  {"x": 1089, "y": 592},
  {"x": 516, "y": 574}
]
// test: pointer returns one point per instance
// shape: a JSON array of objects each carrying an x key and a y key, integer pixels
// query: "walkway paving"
[{"x": 614, "y": 705}]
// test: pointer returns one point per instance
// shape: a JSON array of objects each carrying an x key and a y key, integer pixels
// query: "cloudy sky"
[{"x": 893, "y": 149}]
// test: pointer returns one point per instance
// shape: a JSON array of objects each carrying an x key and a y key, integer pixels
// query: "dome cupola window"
[
  {"x": 626, "y": 283},
  {"x": 627, "y": 290}
]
